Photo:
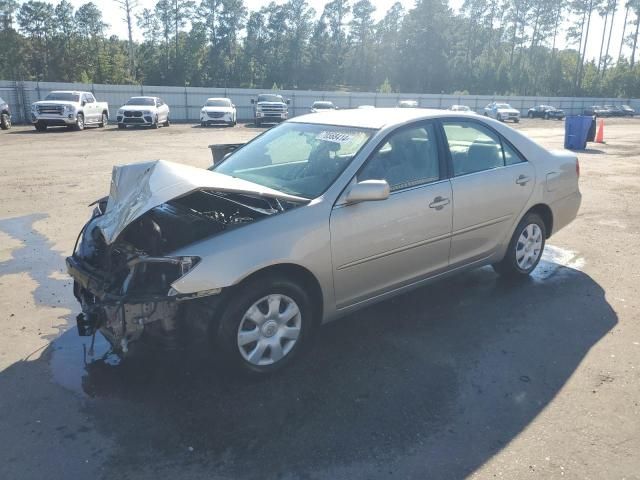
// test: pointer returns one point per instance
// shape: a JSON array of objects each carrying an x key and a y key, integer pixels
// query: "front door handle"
[
  {"x": 522, "y": 180},
  {"x": 439, "y": 203}
]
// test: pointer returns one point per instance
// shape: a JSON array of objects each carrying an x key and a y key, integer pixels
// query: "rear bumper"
[{"x": 565, "y": 210}]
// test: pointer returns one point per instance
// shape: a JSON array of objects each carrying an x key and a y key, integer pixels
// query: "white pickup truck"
[{"x": 70, "y": 109}]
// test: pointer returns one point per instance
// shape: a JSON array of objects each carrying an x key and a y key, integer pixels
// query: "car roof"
[
  {"x": 375, "y": 118},
  {"x": 142, "y": 96},
  {"x": 75, "y": 92}
]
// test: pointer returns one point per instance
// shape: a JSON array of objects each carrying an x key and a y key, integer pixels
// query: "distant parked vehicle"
[
  {"x": 217, "y": 111},
  {"x": 71, "y": 109},
  {"x": 270, "y": 108},
  {"x": 5, "y": 115},
  {"x": 546, "y": 112},
  {"x": 502, "y": 112},
  {"x": 627, "y": 110},
  {"x": 366, "y": 106},
  {"x": 144, "y": 112},
  {"x": 322, "y": 105},
  {"x": 407, "y": 104},
  {"x": 597, "y": 111},
  {"x": 460, "y": 108},
  {"x": 614, "y": 111}
]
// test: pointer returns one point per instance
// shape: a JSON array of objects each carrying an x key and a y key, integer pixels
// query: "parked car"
[
  {"x": 216, "y": 111},
  {"x": 545, "y": 111},
  {"x": 263, "y": 247},
  {"x": 459, "y": 108},
  {"x": 614, "y": 111},
  {"x": 502, "y": 112},
  {"x": 407, "y": 104},
  {"x": 269, "y": 108},
  {"x": 596, "y": 111},
  {"x": 73, "y": 109},
  {"x": 144, "y": 112},
  {"x": 322, "y": 105},
  {"x": 5, "y": 115},
  {"x": 627, "y": 111}
]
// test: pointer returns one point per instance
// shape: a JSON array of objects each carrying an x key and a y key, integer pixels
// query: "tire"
[
  {"x": 41, "y": 126},
  {"x": 121, "y": 126},
  {"x": 530, "y": 115},
  {"x": 203, "y": 124},
  {"x": 79, "y": 126},
  {"x": 258, "y": 123},
  {"x": 516, "y": 120},
  {"x": 155, "y": 125},
  {"x": 105, "y": 120},
  {"x": 167, "y": 123},
  {"x": 521, "y": 257},
  {"x": 5, "y": 121},
  {"x": 546, "y": 116},
  {"x": 256, "y": 355}
]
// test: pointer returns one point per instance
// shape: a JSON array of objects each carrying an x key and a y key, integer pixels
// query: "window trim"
[
  {"x": 442, "y": 162},
  {"x": 441, "y": 121}
]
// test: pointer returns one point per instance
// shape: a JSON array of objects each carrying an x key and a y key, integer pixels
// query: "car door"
[
  {"x": 491, "y": 184},
  {"x": 382, "y": 245},
  {"x": 91, "y": 108},
  {"x": 163, "y": 110}
]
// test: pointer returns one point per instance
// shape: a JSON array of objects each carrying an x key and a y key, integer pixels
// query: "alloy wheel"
[{"x": 529, "y": 246}]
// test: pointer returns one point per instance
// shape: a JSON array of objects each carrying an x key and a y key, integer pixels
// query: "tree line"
[{"x": 488, "y": 47}]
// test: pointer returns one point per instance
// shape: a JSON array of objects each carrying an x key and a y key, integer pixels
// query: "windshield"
[
  {"x": 503, "y": 105},
  {"x": 301, "y": 159},
  {"x": 270, "y": 98},
  {"x": 63, "y": 96},
  {"x": 146, "y": 101},
  {"x": 322, "y": 105},
  {"x": 218, "y": 103}
]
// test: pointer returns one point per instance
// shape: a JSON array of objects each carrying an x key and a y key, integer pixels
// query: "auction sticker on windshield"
[{"x": 336, "y": 137}]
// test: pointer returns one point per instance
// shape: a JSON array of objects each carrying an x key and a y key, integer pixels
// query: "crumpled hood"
[{"x": 138, "y": 187}]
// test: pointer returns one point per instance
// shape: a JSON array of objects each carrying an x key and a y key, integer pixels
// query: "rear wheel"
[
  {"x": 5, "y": 121},
  {"x": 40, "y": 126},
  {"x": 264, "y": 326},
  {"x": 525, "y": 248}
]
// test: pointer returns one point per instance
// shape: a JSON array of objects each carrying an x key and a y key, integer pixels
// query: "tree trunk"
[
  {"x": 624, "y": 28},
  {"x": 604, "y": 34},
  {"x": 606, "y": 55},
  {"x": 635, "y": 40},
  {"x": 584, "y": 50}
]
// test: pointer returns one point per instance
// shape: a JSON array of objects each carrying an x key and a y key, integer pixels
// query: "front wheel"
[
  {"x": 105, "y": 120},
  {"x": 525, "y": 248},
  {"x": 155, "y": 124},
  {"x": 5, "y": 121},
  {"x": 79, "y": 122},
  {"x": 41, "y": 126},
  {"x": 264, "y": 326},
  {"x": 516, "y": 120},
  {"x": 167, "y": 123}
]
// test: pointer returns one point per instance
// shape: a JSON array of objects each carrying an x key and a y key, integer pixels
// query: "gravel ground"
[{"x": 470, "y": 377}]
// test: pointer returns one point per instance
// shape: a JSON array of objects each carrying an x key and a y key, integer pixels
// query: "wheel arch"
[
  {"x": 546, "y": 214},
  {"x": 296, "y": 273}
]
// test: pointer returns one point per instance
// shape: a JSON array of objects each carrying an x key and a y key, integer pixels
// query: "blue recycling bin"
[{"x": 576, "y": 131}]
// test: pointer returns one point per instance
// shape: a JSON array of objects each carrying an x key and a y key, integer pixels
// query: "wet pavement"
[{"x": 471, "y": 376}]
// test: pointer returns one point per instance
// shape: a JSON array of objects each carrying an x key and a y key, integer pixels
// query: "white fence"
[{"x": 185, "y": 102}]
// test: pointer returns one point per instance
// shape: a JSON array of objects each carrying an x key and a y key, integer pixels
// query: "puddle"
[{"x": 554, "y": 259}]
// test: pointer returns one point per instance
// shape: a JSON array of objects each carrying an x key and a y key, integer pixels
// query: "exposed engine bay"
[{"x": 124, "y": 287}]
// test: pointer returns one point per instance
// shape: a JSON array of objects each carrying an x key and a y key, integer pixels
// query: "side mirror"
[
  {"x": 253, "y": 100},
  {"x": 368, "y": 191},
  {"x": 83, "y": 103},
  {"x": 288, "y": 102}
]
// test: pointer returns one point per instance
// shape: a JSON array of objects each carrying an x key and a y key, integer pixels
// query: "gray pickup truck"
[{"x": 269, "y": 108}]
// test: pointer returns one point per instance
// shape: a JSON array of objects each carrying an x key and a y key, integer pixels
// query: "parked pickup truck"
[
  {"x": 269, "y": 108},
  {"x": 70, "y": 109}
]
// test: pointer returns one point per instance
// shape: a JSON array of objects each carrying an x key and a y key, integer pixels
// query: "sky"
[{"x": 113, "y": 16}]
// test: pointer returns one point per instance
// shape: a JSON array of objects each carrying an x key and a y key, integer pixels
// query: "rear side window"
[
  {"x": 473, "y": 147},
  {"x": 511, "y": 156}
]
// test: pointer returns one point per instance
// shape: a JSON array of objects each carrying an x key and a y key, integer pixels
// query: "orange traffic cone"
[{"x": 600, "y": 134}]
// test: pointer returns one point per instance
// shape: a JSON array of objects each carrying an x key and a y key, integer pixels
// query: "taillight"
[{"x": 578, "y": 168}]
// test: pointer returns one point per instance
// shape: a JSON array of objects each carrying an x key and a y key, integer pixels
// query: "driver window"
[
  {"x": 89, "y": 98},
  {"x": 408, "y": 158}
]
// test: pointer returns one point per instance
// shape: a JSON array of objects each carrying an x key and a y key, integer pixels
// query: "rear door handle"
[
  {"x": 439, "y": 203},
  {"x": 522, "y": 180}
]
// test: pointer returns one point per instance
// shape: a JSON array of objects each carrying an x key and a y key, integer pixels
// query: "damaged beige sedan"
[{"x": 317, "y": 217}]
